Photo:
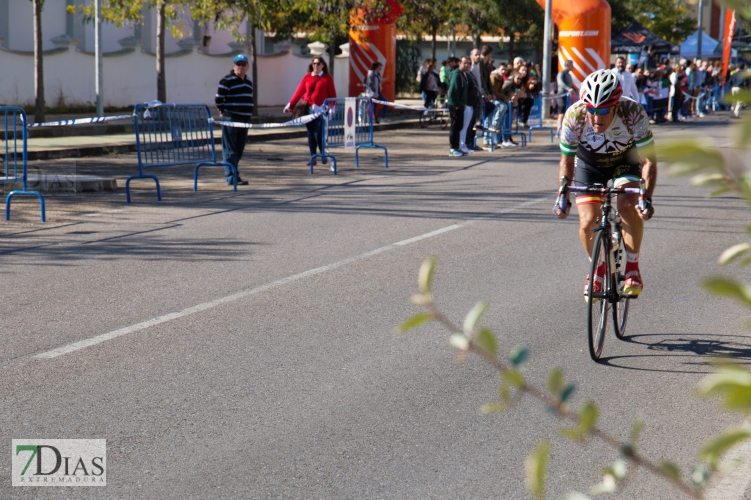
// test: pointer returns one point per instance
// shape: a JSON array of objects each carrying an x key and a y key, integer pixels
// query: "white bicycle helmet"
[{"x": 601, "y": 89}]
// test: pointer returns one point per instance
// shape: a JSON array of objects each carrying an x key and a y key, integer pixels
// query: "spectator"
[
  {"x": 626, "y": 78},
  {"x": 499, "y": 99},
  {"x": 457, "y": 102},
  {"x": 736, "y": 82},
  {"x": 486, "y": 68},
  {"x": 315, "y": 87},
  {"x": 676, "y": 93},
  {"x": 518, "y": 62},
  {"x": 234, "y": 100},
  {"x": 524, "y": 103},
  {"x": 429, "y": 86},
  {"x": 515, "y": 92},
  {"x": 475, "y": 100},
  {"x": 565, "y": 86},
  {"x": 692, "y": 79},
  {"x": 648, "y": 60},
  {"x": 443, "y": 74},
  {"x": 373, "y": 90},
  {"x": 532, "y": 88}
]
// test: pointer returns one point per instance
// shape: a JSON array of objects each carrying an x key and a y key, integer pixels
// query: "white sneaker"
[
  {"x": 508, "y": 144},
  {"x": 385, "y": 120},
  {"x": 331, "y": 168},
  {"x": 465, "y": 150}
]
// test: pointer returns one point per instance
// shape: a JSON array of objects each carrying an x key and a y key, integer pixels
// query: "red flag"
[{"x": 727, "y": 40}]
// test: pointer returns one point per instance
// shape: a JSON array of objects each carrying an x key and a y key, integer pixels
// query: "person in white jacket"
[{"x": 628, "y": 82}]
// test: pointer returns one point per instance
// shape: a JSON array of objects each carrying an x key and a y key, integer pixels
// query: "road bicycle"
[
  {"x": 608, "y": 247},
  {"x": 438, "y": 115}
]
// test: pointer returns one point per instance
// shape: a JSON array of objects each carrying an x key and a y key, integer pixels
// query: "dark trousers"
[
  {"x": 525, "y": 107},
  {"x": 233, "y": 145},
  {"x": 315, "y": 135},
  {"x": 471, "y": 130},
  {"x": 456, "y": 115}
]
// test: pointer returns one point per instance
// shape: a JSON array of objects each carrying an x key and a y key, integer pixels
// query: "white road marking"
[{"x": 82, "y": 344}]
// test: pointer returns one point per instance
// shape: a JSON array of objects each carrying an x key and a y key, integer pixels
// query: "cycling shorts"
[{"x": 586, "y": 175}]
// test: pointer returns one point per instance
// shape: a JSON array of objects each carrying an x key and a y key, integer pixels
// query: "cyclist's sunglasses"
[{"x": 600, "y": 111}]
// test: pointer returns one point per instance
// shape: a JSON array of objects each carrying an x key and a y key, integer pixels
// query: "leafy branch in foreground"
[{"x": 730, "y": 381}]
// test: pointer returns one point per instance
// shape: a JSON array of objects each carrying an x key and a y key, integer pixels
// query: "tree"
[
  {"x": 39, "y": 112},
  {"x": 431, "y": 17},
  {"x": 669, "y": 19},
  {"x": 121, "y": 12}
]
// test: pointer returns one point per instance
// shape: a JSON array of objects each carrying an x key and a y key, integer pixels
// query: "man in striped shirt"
[{"x": 234, "y": 100}]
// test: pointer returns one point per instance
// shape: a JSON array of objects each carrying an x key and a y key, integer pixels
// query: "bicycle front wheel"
[
  {"x": 621, "y": 307},
  {"x": 425, "y": 120},
  {"x": 597, "y": 303},
  {"x": 443, "y": 120}
]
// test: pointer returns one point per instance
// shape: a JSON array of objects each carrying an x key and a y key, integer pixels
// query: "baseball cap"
[{"x": 241, "y": 58}]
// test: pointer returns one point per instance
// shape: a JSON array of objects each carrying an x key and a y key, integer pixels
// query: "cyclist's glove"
[
  {"x": 558, "y": 203},
  {"x": 647, "y": 208}
]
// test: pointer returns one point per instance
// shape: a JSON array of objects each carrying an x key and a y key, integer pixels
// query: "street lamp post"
[
  {"x": 701, "y": 29},
  {"x": 547, "y": 32},
  {"x": 98, "y": 57}
]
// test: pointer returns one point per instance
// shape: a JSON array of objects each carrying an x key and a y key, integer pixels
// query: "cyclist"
[{"x": 607, "y": 136}]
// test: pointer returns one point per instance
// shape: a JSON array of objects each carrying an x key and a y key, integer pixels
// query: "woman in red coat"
[{"x": 315, "y": 87}]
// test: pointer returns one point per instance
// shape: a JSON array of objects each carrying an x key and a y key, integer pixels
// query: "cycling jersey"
[{"x": 627, "y": 139}]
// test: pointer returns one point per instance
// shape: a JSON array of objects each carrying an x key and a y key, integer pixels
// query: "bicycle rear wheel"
[
  {"x": 597, "y": 304},
  {"x": 443, "y": 120},
  {"x": 425, "y": 120},
  {"x": 621, "y": 307}
]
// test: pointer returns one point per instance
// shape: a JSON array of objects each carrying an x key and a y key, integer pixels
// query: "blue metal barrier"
[
  {"x": 173, "y": 134},
  {"x": 14, "y": 156},
  {"x": 535, "y": 119},
  {"x": 334, "y": 130}
]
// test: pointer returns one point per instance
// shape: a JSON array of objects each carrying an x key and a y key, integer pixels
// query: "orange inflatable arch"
[{"x": 583, "y": 35}]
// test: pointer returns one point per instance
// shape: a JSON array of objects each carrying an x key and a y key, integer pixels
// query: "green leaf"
[
  {"x": 720, "y": 192},
  {"x": 670, "y": 469},
  {"x": 608, "y": 485},
  {"x": 619, "y": 469},
  {"x": 414, "y": 322},
  {"x": 738, "y": 398},
  {"x": 421, "y": 299},
  {"x": 588, "y": 416},
  {"x": 572, "y": 433},
  {"x": 504, "y": 393},
  {"x": 486, "y": 341},
  {"x": 514, "y": 378},
  {"x": 690, "y": 156},
  {"x": 567, "y": 392},
  {"x": 493, "y": 408},
  {"x": 427, "y": 271},
  {"x": 636, "y": 430},
  {"x": 743, "y": 131},
  {"x": 473, "y": 316},
  {"x": 711, "y": 180},
  {"x": 733, "y": 253},
  {"x": 518, "y": 355},
  {"x": 556, "y": 383},
  {"x": 700, "y": 475},
  {"x": 574, "y": 495},
  {"x": 536, "y": 469},
  {"x": 712, "y": 451},
  {"x": 727, "y": 287},
  {"x": 726, "y": 377},
  {"x": 459, "y": 341}
]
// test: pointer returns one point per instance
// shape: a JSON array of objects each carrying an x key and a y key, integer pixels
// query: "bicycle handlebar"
[{"x": 562, "y": 201}]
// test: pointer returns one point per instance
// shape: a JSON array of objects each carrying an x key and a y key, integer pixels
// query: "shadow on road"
[{"x": 677, "y": 345}]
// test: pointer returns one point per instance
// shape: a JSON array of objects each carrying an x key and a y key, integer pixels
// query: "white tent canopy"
[{"x": 689, "y": 47}]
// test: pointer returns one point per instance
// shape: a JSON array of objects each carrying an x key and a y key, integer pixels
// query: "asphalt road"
[{"x": 287, "y": 380}]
